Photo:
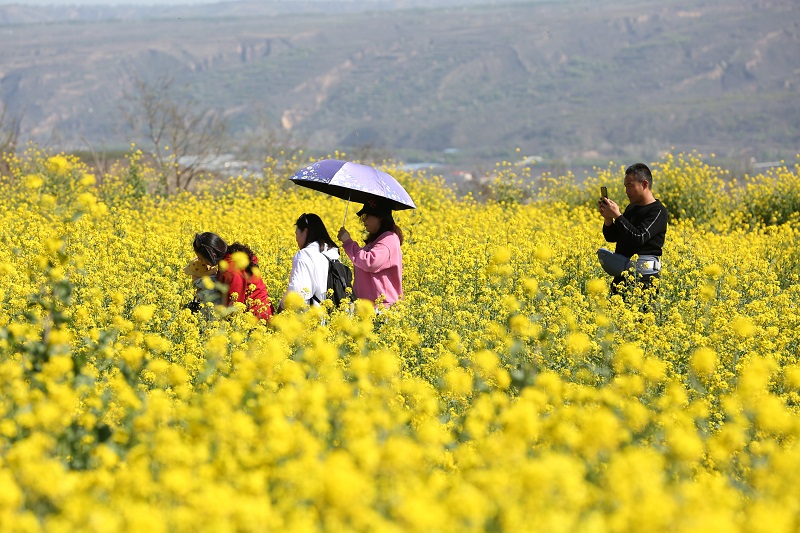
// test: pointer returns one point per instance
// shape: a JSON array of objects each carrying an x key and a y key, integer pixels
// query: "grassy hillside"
[{"x": 566, "y": 79}]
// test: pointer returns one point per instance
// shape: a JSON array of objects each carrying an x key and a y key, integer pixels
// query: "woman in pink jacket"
[{"x": 378, "y": 265}]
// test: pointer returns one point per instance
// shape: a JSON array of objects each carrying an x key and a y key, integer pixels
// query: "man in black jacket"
[{"x": 641, "y": 229}]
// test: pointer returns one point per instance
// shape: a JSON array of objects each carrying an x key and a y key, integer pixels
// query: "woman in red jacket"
[{"x": 242, "y": 283}]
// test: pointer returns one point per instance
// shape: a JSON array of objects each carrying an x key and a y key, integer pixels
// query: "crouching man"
[{"x": 639, "y": 230}]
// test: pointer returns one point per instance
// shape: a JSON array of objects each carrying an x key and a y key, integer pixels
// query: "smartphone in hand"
[{"x": 603, "y": 192}]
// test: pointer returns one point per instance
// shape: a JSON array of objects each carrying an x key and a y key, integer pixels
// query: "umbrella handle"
[{"x": 346, "y": 207}]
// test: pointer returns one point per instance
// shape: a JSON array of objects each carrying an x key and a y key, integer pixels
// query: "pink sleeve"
[{"x": 374, "y": 260}]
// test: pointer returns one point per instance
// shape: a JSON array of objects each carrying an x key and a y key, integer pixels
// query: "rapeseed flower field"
[{"x": 506, "y": 392}]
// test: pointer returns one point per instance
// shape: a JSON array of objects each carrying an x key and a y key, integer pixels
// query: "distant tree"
[
  {"x": 9, "y": 137},
  {"x": 100, "y": 160},
  {"x": 369, "y": 153},
  {"x": 185, "y": 137},
  {"x": 263, "y": 143}
]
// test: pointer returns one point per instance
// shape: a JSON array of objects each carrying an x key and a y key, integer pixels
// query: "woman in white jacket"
[{"x": 309, "y": 277}]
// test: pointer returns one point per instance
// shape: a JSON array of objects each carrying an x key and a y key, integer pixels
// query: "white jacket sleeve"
[{"x": 301, "y": 278}]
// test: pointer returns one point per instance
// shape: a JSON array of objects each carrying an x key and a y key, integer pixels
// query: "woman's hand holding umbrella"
[{"x": 343, "y": 235}]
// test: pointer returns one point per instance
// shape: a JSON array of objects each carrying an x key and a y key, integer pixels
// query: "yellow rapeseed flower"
[
  {"x": 156, "y": 343},
  {"x": 596, "y": 286},
  {"x": 543, "y": 253},
  {"x": 743, "y": 326},
  {"x": 383, "y": 364},
  {"x": 240, "y": 259},
  {"x": 47, "y": 201},
  {"x": 143, "y": 313},
  {"x": 713, "y": 271},
  {"x": 704, "y": 361},
  {"x": 10, "y": 493},
  {"x": 58, "y": 164},
  {"x": 501, "y": 256},
  {"x": 629, "y": 356},
  {"x": 86, "y": 200},
  {"x": 33, "y": 181},
  {"x": 531, "y": 286},
  {"x": 364, "y": 309},
  {"x": 578, "y": 343},
  {"x": 133, "y": 356},
  {"x": 458, "y": 382},
  {"x": 483, "y": 398},
  {"x": 511, "y": 304}
]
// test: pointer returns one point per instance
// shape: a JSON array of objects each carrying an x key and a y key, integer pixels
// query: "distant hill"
[{"x": 571, "y": 79}]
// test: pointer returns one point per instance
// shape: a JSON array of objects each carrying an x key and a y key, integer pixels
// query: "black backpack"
[{"x": 340, "y": 278}]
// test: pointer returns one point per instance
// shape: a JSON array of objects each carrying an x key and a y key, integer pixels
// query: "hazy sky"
[{"x": 107, "y": 2}]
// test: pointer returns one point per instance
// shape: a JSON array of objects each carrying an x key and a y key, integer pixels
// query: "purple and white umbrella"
[{"x": 354, "y": 182}]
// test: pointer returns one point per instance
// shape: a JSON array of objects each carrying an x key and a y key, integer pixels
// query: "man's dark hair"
[
  {"x": 316, "y": 231},
  {"x": 641, "y": 173}
]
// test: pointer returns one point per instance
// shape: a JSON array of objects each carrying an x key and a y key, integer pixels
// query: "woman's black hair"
[
  {"x": 210, "y": 246},
  {"x": 316, "y": 231},
  {"x": 387, "y": 224},
  {"x": 239, "y": 247}
]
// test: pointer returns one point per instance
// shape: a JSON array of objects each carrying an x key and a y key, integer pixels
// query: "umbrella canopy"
[{"x": 352, "y": 181}]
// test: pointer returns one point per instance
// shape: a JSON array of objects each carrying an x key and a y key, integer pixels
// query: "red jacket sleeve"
[{"x": 236, "y": 284}]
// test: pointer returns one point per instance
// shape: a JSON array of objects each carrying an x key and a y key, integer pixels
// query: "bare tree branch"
[
  {"x": 9, "y": 137},
  {"x": 185, "y": 138}
]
